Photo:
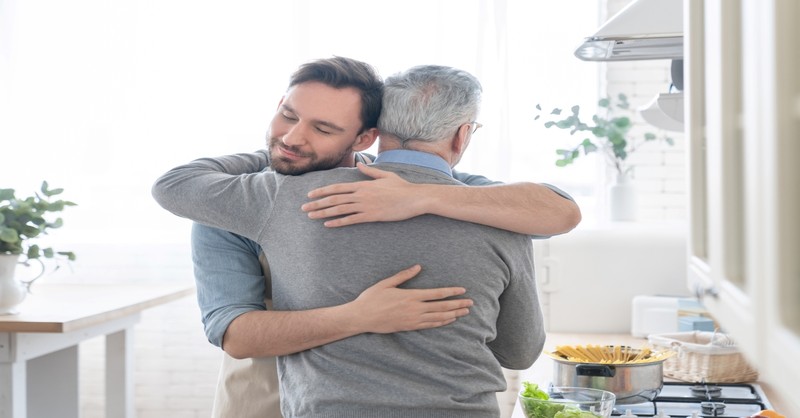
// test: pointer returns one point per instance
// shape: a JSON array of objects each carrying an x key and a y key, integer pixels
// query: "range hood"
[{"x": 643, "y": 30}]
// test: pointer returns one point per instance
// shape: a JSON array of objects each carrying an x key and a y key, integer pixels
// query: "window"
[{"x": 101, "y": 97}]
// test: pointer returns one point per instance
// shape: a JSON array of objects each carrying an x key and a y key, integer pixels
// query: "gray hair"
[{"x": 428, "y": 103}]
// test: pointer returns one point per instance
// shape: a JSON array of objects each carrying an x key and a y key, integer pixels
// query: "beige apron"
[{"x": 248, "y": 388}]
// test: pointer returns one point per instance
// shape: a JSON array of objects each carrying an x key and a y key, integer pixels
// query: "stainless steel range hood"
[{"x": 643, "y": 30}]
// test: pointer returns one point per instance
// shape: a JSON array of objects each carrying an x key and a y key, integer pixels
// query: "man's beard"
[{"x": 311, "y": 162}]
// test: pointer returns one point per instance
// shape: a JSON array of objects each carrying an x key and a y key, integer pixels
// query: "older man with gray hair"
[{"x": 429, "y": 116}]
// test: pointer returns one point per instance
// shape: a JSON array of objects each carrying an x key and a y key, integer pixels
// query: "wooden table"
[{"x": 39, "y": 346}]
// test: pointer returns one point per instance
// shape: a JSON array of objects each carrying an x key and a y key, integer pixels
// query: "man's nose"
[{"x": 295, "y": 136}]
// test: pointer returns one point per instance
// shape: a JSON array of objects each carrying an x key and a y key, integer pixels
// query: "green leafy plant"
[
  {"x": 609, "y": 133},
  {"x": 23, "y": 220}
]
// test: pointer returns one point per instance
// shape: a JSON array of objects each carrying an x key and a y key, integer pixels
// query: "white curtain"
[{"x": 100, "y": 97}]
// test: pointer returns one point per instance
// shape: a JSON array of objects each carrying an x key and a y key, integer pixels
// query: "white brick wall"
[{"x": 660, "y": 173}]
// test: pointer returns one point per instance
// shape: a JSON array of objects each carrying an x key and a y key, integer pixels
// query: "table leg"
[
  {"x": 52, "y": 385},
  {"x": 12, "y": 389},
  {"x": 119, "y": 374}
]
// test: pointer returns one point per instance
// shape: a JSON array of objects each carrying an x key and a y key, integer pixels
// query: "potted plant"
[
  {"x": 607, "y": 133},
  {"x": 21, "y": 222}
]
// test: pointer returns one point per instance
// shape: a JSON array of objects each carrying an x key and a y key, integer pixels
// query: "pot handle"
[{"x": 597, "y": 370}]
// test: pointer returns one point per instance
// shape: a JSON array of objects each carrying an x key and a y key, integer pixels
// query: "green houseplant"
[
  {"x": 21, "y": 222},
  {"x": 24, "y": 219},
  {"x": 608, "y": 133}
]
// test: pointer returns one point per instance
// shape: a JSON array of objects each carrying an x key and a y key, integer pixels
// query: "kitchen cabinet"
[{"x": 742, "y": 87}]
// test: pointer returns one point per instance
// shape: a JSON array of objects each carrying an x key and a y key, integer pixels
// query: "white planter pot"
[
  {"x": 622, "y": 199},
  {"x": 12, "y": 290}
]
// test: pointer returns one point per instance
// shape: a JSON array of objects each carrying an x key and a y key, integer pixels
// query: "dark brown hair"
[{"x": 341, "y": 72}]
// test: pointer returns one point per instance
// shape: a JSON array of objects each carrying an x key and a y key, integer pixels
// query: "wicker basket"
[{"x": 703, "y": 357}]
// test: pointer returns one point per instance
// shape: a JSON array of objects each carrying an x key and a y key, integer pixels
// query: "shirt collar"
[{"x": 424, "y": 159}]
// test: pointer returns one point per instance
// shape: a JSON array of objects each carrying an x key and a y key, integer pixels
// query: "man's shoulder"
[{"x": 338, "y": 174}]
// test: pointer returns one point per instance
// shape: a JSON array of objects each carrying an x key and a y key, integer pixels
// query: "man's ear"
[
  {"x": 461, "y": 140},
  {"x": 365, "y": 139}
]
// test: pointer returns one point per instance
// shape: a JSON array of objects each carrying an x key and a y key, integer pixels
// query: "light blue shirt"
[{"x": 423, "y": 159}]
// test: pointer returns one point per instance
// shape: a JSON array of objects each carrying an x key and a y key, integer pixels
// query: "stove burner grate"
[
  {"x": 708, "y": 400},
  {"x": 706, "y": 391},
  {"x": 714, "y": 409}
]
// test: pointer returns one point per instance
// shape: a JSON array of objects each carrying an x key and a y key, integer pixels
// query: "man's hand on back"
[
  {"x": 386, "y": 198},
  {"x": 385, "y": 308}
]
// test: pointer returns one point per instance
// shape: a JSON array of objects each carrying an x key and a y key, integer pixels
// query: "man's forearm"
[
  {"x": 276, "y": 333},
  {"x": 526, "y": 208},
  {"x": 203, "y": 190},
  {"x": 382, "y": 308}
]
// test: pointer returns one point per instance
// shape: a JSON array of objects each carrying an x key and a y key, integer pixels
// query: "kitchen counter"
[{"x": 542, "y": 370}]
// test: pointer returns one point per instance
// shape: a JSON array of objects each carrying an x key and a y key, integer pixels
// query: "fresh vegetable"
[
  {"x": 769, "y": 413},
  {"x": 574, "y": 413},
  {"x": 536, "y": 404},
  {"x": 537, "y": 408},
  {"x": 532, "y": 391}
]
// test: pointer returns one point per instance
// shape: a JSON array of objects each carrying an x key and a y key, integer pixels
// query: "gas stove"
[{"x": 721, "y": 400}]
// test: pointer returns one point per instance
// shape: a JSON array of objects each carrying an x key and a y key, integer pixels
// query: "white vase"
[
  {"x": 622, "y": 199},
  {"x": 12, "y": 290}
]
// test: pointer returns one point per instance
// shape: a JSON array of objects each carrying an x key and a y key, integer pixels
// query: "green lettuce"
[
  {"x": 574, "y": 413},
  {"x": 532, "y": 391},
  {"x": 535, "y": 405}
]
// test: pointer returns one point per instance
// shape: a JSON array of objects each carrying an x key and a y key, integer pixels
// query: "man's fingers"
[
  {"x": 330, "y": 212},
  {"x": 402, "y": 276},
  {"x": 428, "y": 325},
  {"x": 357, "y": 218},
  {"x": 433, "y": 320},
  {"x": 373, "y": 172},
  {"x": 437, "y": 293},
  {"x": 332, "y": 189},
  {"x": 327, "y": 202},
  {"x": 448, "y": 305}
]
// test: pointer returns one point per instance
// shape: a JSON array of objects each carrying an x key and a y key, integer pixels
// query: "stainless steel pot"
[{"x": 631, "y": 383}]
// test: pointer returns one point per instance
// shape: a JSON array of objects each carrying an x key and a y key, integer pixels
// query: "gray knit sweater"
[{"x": 452, "y": 371}]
